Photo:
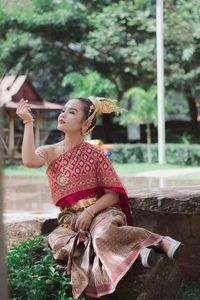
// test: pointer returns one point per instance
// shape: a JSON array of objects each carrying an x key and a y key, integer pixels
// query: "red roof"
[{"x": 13, "y": 88}]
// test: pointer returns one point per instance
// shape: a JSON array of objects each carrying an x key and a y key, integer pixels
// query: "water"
[{"x": 28, "y": 197}]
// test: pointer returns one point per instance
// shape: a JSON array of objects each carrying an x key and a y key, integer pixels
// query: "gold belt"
[{"x": 81, "y": 204}]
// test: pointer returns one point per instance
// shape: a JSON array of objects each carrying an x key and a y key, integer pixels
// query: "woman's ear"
[{"x": 84, "y": 127}]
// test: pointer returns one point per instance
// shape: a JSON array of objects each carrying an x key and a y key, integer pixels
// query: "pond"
[{"x": 28, "y": 197}]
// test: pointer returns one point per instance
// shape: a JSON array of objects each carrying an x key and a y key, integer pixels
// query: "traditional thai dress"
[{"x": 98, "y": 258}]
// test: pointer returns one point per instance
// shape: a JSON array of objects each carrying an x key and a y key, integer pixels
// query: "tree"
[
  {"x": 142, "y": 109},
  {"x": 126, "y": 53},
  {"x": 182, "y": 38},
  {"x": 115, "y": 38},
  {"x": 43, "y": 37},
  {"x": 91, "y": 83}
]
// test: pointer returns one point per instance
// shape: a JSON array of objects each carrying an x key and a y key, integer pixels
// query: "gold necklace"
[{"x": 63, "y": 179}]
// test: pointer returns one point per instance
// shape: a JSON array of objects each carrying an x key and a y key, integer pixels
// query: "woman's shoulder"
[
  {"x": 50, "y": 147},
  {"x": 52, "y": 151},
  {"x": 92, "y": 147},
  {"x": 95, "y": 151}
]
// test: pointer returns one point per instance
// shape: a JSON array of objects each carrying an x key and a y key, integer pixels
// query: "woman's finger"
[
  {"x": 25, "y": 108},
  {"x": 76, "y": 224},
  {"x": 22, "y": 104},
  {"x": 21, "y": 101},
  {"x": 85, "y": 226}
]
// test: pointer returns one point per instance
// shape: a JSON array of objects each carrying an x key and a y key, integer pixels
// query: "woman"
[{"x": 94, "y": 237}]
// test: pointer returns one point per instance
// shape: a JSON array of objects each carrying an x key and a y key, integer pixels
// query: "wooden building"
[{"x": 12, "y": 89}]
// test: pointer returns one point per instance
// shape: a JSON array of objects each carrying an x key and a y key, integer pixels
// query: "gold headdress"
[{"x": 101, "y": 106}]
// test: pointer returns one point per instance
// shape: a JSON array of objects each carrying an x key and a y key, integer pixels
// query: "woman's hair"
[{"x": 88, "y": 109}]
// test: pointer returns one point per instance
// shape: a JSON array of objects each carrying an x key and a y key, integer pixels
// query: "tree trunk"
[
  {"x": 192, "y": 109},
  {"x": 3, "y": 272},
  {"x": 148, "y": 132},
  {"x": 107, "y": 125}
]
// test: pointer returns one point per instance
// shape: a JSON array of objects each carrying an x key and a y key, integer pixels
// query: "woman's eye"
[{"x": 72, "y": 112}]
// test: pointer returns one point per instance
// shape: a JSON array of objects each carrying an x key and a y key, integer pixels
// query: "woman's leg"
[{"x": 169, "y": 246}]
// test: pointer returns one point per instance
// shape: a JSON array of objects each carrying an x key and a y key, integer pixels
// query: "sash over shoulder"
[{"x": 88, "y": 176}]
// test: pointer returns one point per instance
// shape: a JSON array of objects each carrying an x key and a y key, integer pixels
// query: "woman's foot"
[
  {"x": 170, "y": 246},
  {"x": 148, "y": 257}
]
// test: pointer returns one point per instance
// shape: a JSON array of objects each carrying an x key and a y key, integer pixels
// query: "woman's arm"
[
  {"x": 110, "y": 198},
  {"x": 30, "y": 157}
]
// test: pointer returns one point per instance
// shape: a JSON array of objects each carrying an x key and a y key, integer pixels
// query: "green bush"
[
  {"x": 189, "y": 290},
  {"x": 33, "y": 273},
  {"x": 181, "y": 154}
]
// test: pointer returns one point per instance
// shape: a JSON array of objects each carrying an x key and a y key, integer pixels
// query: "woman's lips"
[{"x": 61, "y": 121}]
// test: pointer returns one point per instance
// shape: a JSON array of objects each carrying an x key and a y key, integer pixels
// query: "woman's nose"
[{"x": 61, "y": 114}]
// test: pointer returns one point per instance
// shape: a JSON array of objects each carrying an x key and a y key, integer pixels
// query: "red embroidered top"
[{"x": 89, "y": 172}]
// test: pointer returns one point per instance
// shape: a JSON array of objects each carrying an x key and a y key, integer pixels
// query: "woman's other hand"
[
  {"x": 23, "y": 111},
  {"x": 84, "y": 220}
]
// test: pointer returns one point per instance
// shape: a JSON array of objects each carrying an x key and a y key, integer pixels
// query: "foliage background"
[
  {"x": 110, "y": 45},
  {"x": 52, "y": 38}
]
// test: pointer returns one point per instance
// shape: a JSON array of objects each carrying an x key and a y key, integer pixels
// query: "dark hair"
[{"x": 86, "y": 109}]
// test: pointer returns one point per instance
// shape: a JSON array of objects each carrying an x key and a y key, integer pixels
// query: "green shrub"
[
  {"x": 33, "y": 273},
  {"x": 189, "y": 290},
  {"x": 181, "y": 154}
]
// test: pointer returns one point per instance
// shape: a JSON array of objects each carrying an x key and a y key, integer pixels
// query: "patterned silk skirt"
[{"x": 98, "y": 258}]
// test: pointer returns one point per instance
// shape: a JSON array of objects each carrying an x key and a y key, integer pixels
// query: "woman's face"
[{"x": 71, "y": 119}]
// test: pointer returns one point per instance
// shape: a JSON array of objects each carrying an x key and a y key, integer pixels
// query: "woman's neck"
[{"x": 72, "y": 141}]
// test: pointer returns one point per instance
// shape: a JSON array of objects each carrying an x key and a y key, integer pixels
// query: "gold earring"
[{"x": 82, "y": 131}]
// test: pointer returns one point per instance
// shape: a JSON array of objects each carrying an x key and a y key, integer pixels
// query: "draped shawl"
[{"x": 90, "y": 172}]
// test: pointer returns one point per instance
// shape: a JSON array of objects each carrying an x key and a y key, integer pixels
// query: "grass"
[
  {"x": 21, "y": 170},
  {"x": 135, "y": 168},
  {"x": 123, "y": 170}
]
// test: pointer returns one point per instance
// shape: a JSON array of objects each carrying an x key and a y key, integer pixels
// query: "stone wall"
[{"x": 175, "y": 212}]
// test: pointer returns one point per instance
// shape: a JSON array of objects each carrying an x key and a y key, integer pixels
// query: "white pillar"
[{"x": 160, "y": 82}]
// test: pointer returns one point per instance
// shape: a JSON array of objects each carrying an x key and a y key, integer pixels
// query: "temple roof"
[{"x": 13, "y": 88}]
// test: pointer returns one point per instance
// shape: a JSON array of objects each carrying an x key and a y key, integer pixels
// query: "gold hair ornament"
[{"x": 101, "y": 106}]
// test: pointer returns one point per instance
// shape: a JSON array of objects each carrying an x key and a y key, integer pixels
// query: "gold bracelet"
[
  {"x": 91, "y": 214},
  {"x": 28, "y": 121}
]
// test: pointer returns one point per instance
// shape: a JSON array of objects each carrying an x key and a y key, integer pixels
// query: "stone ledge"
[
  {"x": 20, "y": 230},
  {"x": 160, "y": 282},
  {"x": 175, "y": 212},
  {"x": 173, "y": 200}
]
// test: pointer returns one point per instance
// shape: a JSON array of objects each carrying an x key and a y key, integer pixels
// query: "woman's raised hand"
[{"x": 23, "y": 111}]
